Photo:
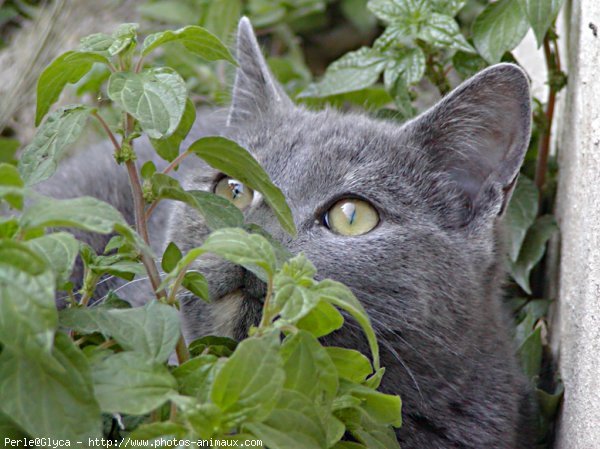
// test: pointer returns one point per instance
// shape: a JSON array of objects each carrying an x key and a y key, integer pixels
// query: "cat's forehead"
[{"x": 308, "y": 152}]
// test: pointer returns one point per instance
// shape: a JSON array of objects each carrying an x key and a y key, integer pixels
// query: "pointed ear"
[
  {"x": 255, "y": 90},
  {"x": 478, "y": 136}
]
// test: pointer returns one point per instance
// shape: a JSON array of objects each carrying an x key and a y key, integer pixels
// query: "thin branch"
[
  {"x": 553, "y": 66},
  {"x": 110, "y": 134}
]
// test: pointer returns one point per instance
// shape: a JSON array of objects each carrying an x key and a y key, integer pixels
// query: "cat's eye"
[
  {"x": 235, "y": 191},
  {"x": 351, "y": 216}
]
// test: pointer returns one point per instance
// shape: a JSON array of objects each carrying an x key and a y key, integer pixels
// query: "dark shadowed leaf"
[
  {"x": 520, "y": 214},
  {"x": 530, "y": 354},
  {"x": 197, "y": 284},
  {"x": 170, "y": 257}
]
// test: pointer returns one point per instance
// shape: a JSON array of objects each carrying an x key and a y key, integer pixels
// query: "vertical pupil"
[
  {"x": 349, "y": 210},
  {"x": 236, "y": 187}
]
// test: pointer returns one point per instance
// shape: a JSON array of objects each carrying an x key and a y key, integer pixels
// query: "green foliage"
[{"x": 280, "y": 384}]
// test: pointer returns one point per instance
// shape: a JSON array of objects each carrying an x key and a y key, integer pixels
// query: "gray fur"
[{"x": 430, "y": 274}]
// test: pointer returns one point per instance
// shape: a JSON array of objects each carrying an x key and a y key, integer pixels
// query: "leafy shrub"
[{"x": 107, "y": 366}]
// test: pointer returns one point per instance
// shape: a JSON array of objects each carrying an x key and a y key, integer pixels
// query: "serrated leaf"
[
  {"x": 168, "y": 147},
  {"x": 61, "y": 129},
  {"x": 534, "y": 247},
  {"x": 196, "y": 39},
  {"x": 350, "y": 364},
  {"x": 124, "y": 38},
  {"x": 354, "y": 71},
  {"x": 252, "y": 251},
  {"x": 170, "y": 257},
  {"x": 28, "y": 316},
  {"x": 85, "y": 213},
  {"x": 541, "y": 14},
  {"x": 520, "y": 214},
  {"x": 68, "y": 68},
  {"x": 250, "y": 382},
  {"x": 127, "y": 382},
  {"x": 155, "y": 97},
  {"x": 408, "y": 64},
  {"x": 442, "y": 31},
  {"x": 233, "y": 160},
  {"x": 59, "y": 250},
  {"x": 499, "y": 28},
  {"x": 308, "y": 368},
  {"x": 67, "y": 389}
]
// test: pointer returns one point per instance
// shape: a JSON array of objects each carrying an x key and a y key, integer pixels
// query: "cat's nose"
[{"x": 253, "y": 287}]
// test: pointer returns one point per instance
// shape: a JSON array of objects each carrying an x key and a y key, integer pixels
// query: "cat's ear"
[
  {"x": 478, "y": 136},
  {"x": 255, "y": 91}
]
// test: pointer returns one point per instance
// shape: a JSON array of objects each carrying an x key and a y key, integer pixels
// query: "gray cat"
[{"x": 409, "y": 217}]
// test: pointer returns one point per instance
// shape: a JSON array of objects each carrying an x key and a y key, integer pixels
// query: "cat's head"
[{"x": 405, "y": 215}]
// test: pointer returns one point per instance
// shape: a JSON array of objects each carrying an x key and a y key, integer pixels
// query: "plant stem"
[
  {"x": 183, "y": 355},
  {"x": 266, "y": 316},
  {"x": 553, "y": 66},
  {"x": 110, "y": 134},
  {"x": 175, "y": 163}
]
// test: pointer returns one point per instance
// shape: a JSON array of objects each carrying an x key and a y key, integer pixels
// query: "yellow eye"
[
  {"x": 236, "y": 192},
  {"x": 351, "y": 216}
]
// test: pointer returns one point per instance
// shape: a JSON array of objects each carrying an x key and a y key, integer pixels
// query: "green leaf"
[
  {"x": 339, "y": 295},
  {"x": 61, "y": 129},
  {"x": 151, "y": 330},
  {"x": 168, "y": 147},
  {"x": 59, "y": 251},
  {"x": 499, "y": 28},
  {"x": 549, "y": 402},
  {"x": 196, "y": 376},
  {"x": 468, "y": 64},
  {"x": 350, "y": 364},
  {"x": 321, "y": 320},
  {"x": 412, "y": 11},
  {"x": 96, "y": 43},
  {"x": 380, "y": 407},
  {"x": 520, "y": 214},
  {"x": 28, "y": 315},
  {"x": 308, "y": 368},
  {"x": 67, "y": 68},
  {"x": 31, "y": 393},
  {"x": 155, "y": 97},
  {"x": 233, "y": 160},
  {"x": 217, "y": 211},
  {"x": 8, "y": 149},
  {"x": 85, "y": 213},
  {"x": 354, "y": 71},
  {"x": 195, "y": 39},
  {"x": 197, "y": 284},
  {"x": 124, "y": 38},
  {"x": 250, "y": 382},
  {"x": 408, "y": 64},
  {"x": 541, "y": 14},
  {"x": 222, "y": 18},
  {"x": 127, "y": 382},
  {"x": 11, "y": 185},
  {"x": 171, "y": 11},
  {"x": 294, "y": 289},
  {"x": 252, "y": 251},
  {"x": 534, "y": 247},
  {"x": 448, "y": 7},
  {"x": 357, "y": 13},
  {"x": 10, "y": 429},
  {"x": 171, "y": 256},
  {"x": 530, "y": 354},
  {"x": 148, "y": 169},
  {"x": 293, "y": 424},
  {"x": 442, "y": 31}
]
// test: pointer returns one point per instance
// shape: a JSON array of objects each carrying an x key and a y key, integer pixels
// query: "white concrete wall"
[{"x": 576, "y": 317}]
